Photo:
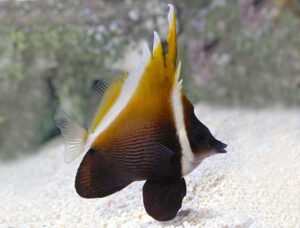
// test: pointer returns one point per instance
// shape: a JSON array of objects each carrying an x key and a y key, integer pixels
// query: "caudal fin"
[
  {"x": 163, "y": 198},
  {"x": 74, "y": 135}
]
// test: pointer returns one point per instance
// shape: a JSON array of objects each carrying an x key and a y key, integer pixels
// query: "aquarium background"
[{"x": 242, "y": 54}]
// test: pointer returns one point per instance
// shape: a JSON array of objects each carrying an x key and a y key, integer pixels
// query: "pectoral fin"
[
  {"x": 74, "y": 135},
  {"x": 99, "y": 176},
  {"x": 163, "y": 199}
]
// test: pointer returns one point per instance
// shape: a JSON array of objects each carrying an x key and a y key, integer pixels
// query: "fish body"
[{"x": 145, "y": 128}]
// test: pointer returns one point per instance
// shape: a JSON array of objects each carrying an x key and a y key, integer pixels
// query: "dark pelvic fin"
[
  {"x": 163, "y": 199},
  {"x": 99, "y": 176}
]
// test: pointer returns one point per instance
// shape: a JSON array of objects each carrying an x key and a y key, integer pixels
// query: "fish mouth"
[{"x": 219, "y": 146}]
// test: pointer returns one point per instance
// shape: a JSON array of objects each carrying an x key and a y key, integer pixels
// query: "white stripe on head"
[{"x": 187, "y": 159}]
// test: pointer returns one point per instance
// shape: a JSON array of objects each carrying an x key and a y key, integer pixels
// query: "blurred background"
[{"x": 242, "y": 53}]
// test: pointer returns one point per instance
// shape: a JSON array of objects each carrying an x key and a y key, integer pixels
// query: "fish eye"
[{"x": 200, "y": 137}]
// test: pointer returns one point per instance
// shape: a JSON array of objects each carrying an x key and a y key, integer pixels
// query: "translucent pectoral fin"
[
  {"x": 99, "y": 176},
  {"x": 163, "y": 199},
  {"x": 74, "y": 135}
]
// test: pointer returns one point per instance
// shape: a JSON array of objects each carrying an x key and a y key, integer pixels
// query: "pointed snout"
[{"x": 219, "y": 146}]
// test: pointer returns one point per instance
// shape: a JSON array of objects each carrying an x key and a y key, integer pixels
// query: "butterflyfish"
[{"x": 144, "y": 128}]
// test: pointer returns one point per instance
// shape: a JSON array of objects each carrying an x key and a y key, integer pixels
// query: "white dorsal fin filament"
[
  {"x": 146, "y": 53},
  {"x": 178, "y": 69},
  {"x": 171, "y": 14},
  {"x": 156, "y": 41}
]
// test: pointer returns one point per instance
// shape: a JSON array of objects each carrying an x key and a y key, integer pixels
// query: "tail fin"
[{"x": 74, "y": 135}]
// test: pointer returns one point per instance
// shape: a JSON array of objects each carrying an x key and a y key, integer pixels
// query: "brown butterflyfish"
[{"x": 144, "y": 128}]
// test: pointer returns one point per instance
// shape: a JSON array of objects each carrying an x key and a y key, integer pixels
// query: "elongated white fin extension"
[
  {"x": 177, "y": 73},
  {"x": 146, "y": 53},
  {"x": 170, "y": 15},
  {"x": 156, "y": 40},
  {"x": 135, "y": 68},
  {"x": 179, "y": 85},
  {"x": 74, "y": 135}
]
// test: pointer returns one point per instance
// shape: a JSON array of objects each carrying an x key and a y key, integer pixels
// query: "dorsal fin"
[
  {"x": 155, "y": 74},
  {"x": 99, "y": 88},
  {"x": 108, "y": 94},
  {"x": 119, "y": 94},
  {"x": 160, "y": 71},
  {"x": 157, "y": 45},
  {"x": 171, "y": 40},
  {"x": 177, "y": 74}
]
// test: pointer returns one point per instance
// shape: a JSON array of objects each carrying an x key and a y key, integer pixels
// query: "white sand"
[{"x": 256, "y": 184}]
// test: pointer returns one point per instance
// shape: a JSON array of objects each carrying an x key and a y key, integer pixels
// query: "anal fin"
[
  {"x": 163, "y": 198},
  {"x": 99, "y": 176}
]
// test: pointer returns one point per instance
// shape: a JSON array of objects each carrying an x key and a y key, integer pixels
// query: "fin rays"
[
  {"x": 99, "y": 89},
  {"x": 74, "y": 135}
]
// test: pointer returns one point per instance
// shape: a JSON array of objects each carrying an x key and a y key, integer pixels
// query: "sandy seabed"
[{"x": 256, "y": 184}]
